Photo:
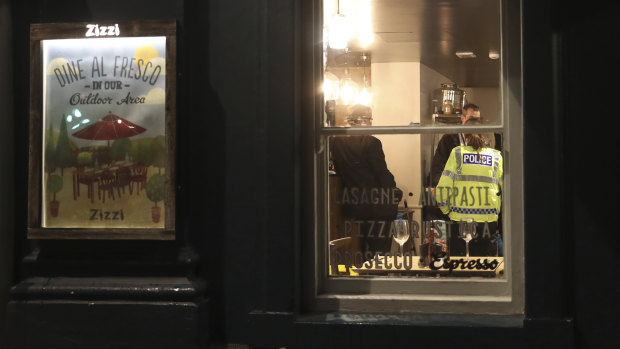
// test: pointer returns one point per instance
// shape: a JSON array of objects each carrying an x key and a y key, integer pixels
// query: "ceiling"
[{"x": 432, "y": 31}]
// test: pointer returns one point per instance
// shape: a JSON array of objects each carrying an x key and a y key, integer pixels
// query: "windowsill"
[
  {"x": 358, "y": 329},
  {"x": 421, "y": 320},
  {"x": 418, "y": 304}
]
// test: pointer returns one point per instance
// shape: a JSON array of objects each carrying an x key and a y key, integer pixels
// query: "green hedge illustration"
[
  {"x": 158, "y": 151},
  {"x": 50, "y": 151},
  {"x": 64, "y": 155},
  {"x": 120, "y": 148},
  {"x": 85, "y": 158}
]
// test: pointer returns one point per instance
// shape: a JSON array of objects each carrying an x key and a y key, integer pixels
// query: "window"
[{"x": 404, "y": 86}]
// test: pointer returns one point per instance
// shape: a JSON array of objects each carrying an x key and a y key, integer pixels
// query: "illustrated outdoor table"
[{"x": 89, "y": 176}]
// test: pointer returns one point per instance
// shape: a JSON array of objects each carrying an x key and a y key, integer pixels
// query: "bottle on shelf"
[{"x": 447, "y": 107}]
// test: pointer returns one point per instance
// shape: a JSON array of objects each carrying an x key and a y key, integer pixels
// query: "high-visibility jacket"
[{"x": 470, "y": 185}]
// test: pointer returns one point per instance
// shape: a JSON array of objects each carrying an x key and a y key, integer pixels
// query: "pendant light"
[
  {"x": 365, "y": 96},
  {"x": 349, "y": 89},
  {"x": 338, "y": 30}
]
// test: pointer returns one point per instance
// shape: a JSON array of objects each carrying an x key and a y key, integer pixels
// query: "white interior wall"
[
  {"x": 396, "y": 101},
  {"x": 396, "y": 93},
  {"x": 430, "y": 80}
]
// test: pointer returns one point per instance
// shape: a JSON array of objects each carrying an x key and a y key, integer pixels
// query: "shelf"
[{"x": 448, "y": 118}]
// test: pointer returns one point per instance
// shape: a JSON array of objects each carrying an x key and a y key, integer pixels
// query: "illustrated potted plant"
[
  {"x": 155, "y": 190},
  {"x": 54, "y": 185}
]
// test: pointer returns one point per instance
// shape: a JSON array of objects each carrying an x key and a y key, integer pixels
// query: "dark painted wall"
[
  {"x": 199, "y": 197},
  {"x": 251, "y": 52},
  {"x": 6, "y": 161},
  {"x": 591, "y": 130}
]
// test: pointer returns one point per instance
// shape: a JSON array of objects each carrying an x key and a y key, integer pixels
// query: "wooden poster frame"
[{"x": 78, "y": 30}]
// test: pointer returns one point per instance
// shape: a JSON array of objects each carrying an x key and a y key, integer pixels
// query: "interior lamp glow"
[
  {"x": 349, "y": 90},
  {"x": 338, "y": 31},
  {"x": 364, "y": 97},
  {"x": 365, "y": 38},
  {"x": 365, "y": 35},
  {"x": 331, "y": 86},
  {"x": 325, "y": 38}
]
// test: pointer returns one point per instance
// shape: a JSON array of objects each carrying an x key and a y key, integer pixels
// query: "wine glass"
[
  {"x": 467, "y": 233},
  {"x": 401, "y": 234}
]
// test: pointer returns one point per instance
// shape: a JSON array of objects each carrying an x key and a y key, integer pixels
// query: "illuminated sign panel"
[{"x": 106, "y": 106}]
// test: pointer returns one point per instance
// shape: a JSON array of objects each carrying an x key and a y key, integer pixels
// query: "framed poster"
[{"x": 102, "y": 130}]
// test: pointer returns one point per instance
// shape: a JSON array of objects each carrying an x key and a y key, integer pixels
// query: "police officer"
[{"x": 469, "y": 190}]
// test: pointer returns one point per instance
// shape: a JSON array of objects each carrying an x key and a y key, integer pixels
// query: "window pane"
[
  {"x": 413, "y": 62},
  {"x": 380, "y": 193},
  {"x": 410, "y": 65}
]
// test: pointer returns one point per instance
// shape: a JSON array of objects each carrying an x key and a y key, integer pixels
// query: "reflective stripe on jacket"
[{"x": 470, "y": 185}]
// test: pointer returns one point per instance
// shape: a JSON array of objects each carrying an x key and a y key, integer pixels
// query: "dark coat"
[
  {"x": 360, "y": 161},
  {"x": 442, "y": 153}
]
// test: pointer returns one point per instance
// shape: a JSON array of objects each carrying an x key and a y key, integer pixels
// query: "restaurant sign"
[{"x": 105, "y": 138}]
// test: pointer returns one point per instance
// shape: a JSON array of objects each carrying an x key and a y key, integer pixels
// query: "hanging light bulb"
[
  {"x": 365, "y": 96},
  {"x": 338, "y": 36},
  {"x": 349, "y": 89},
  {"x": 339, "y": 29}
]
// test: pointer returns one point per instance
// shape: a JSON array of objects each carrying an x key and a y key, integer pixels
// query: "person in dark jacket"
[{"x": 369, "y": 192}]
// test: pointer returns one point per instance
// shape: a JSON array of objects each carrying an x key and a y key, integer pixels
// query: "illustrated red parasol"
[{"x": 109, "y": 127}]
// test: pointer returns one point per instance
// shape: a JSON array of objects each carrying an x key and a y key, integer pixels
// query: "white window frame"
[{"x": 436, "y": 295}]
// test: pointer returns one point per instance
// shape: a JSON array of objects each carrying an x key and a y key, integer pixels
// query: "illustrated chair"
[
  {"x": 138, "y": 176},
  {"x": 123, "y": 179},
  {"x": 87, "y": 179},
  {"x": 107, "y": 184}
]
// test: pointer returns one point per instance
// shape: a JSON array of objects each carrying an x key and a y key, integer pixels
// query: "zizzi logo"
[{"x": 104, "y": 30}]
